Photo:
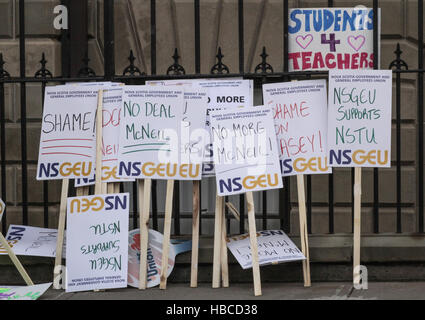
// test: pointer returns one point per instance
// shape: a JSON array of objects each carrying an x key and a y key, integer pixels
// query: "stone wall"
[{"x": 263, "y": 26}]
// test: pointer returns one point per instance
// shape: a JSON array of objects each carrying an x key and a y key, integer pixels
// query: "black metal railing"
[{"x": 263, "y": 73}]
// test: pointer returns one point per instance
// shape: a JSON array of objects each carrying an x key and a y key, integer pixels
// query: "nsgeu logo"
[
  {"x": 97, "y": 203},
  {"x": 360, "y": 157},
  {"x": 52, "y": 170},
  {"x": 249, "y": 182},
  {"x": 149, "y": 169},
  {"x": 315, "y": 164}
]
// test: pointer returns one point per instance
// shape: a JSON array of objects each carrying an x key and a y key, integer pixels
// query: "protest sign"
[
  {"x": 2, "y": 208},
  {"x": 154, "y": 257},
  {"x": 149, "y": 135},
  {"x": 331, "y": 38},
  {"x": 31, "y": 241},
  {"x": 23, "y": 293},
  {"x": 97, "y": 242},
  {"x": 67, "y": 142},
  {"x": 359, "y": 118},
  {"x": 300, "y": 122},
  {"x": 111, "y": 112},
  {"x": 274, "y": 246},
  {"x": 245, "y": 151}
]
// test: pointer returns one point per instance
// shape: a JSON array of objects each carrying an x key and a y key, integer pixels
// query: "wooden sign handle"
[
  {"x": 357, "y": 224},
  {"x": 16, "y": 261},
  {"x": 224, "y": 258},
  {"x": 196, "y": 210},
  {"x": 217, "y": 241},
  {"x": 82, "y": 191},
  {"x": 144, "y": 192},
  {"x": 303, "y": 230},
  {"x": 254, "y": 244},
  {"x": 167, "y": 233},
  {"x": 98, "y": 188},
  {"x": 61, "y": 231}
]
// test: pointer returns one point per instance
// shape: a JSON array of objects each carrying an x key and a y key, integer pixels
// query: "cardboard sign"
[
  {"x": 150, "y": 136},
  {"x": 67, "y": 143},
  {"x": 245, "y": 151},
  {"x": 23, "y": 293},
  {"x": 154, "y": 257},
  {"x": 112, "y": 105},
  {"x": 97, "y": 235},
  {"x": 274, "y": 246},
  {"x": 31, "y": 241},
  {"x": 2, "y": 208},
  {"x": 331, "y": 38},
  {"x": 300, "y": 117},
  {"x": 359, "y": 118}
]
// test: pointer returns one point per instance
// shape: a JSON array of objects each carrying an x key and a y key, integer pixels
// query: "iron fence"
[{"x": 263, "y": 73}]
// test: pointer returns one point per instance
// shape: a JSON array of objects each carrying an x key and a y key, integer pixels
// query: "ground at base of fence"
[{"x": 271, "y": 291}]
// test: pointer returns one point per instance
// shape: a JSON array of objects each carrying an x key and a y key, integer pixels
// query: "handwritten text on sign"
[
  {"x": 67, "y": 143},
  {"x": 299, "y": 110},
  {"x": 245, "y": 152},
  {"x": 359, "y": 118},
  {"x": 330, "y": 38},
  {"x": 97, "y": 242}
]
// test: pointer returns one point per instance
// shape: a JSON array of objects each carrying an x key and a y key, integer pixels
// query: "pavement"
[{"x": 244, "y": 291}]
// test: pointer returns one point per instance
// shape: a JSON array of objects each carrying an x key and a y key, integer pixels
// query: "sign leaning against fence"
[{"x": 331, "y": 38}]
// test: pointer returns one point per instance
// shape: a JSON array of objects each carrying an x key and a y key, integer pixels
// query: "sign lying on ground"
[
  {"x": 359, "y": 118},
  {"x": 23, "y": 293},
  {"x": 154, "y": 257},
  {"x": 97, "y": 247},
  {"x": 245, "y": 151},
  {"x": 67, "y": 142},
  {"x": 331, "y": 38},
  {"x": 300, "y": 120},
  {"x": 274, "y": 246},
  {"x": 31, "y": 241}
]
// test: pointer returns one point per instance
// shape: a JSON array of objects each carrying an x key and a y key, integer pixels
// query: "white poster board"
[
  {"x": 154, "y": 257},
  {"x": 23, "y": 293},
  {"x": 245, "y": 151},
  {"x": 150, "y": 130},
  {"x": 97, "y": 242},
  {"x": 274, "y": 246},
  {"x": 300, "y": 121},
  {"x": 359, "y": 118},
  {"x": 67, "y": 142},
  {"x": 331, "y": 38},
  {"x": 32, "y": 241}
]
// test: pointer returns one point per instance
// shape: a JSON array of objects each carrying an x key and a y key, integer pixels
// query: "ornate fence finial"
[
  {"x": 398, "y": 63},
  {"x": 3, "y": 73},
  {"x": 86, "y": 71},
  {"x": 132, "y": 70},
  {"x": 175, "y": 68},
  {"x": 219, "y": 67},
  {"x": 43, "y": 72},
  {"x": 263, "y": 67}
]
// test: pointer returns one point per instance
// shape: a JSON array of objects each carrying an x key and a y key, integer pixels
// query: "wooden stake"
[
  {"x": 111, "y": 187},
  {"x": 117, "y": 187},
  {"x": 303, "y": 230},
  {"x": 82, "y": 191},
  {"x": 15, "y": 261},
  {"x": 195, "y": 235},
  {"x": 167, "y": 233},
  {"x": 99, "y": 124},
  {"x": 254, "y": 243},
  {"x": 357, "y": 223},
  {"x": 224, "y": 258},
  {"x": 145, "y": 189},
  {"x": 61, "y": 231},
  {"x": 217, "y": 241}
]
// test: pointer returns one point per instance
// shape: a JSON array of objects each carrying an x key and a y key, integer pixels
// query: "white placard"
[
  {"x": 23, "y": 293},
  {"x": 331, "y": 38},
  {"x": 32, "y": 241},
  {"x": 97, "y": 242},
  {"x": 274, "y": 246},
  {"x": 245, "y": 151},
  {"x": 300, "y": 120},
  {"x": 67, "y": 142},
  {"x": 150, "y": 133},
  {"x": 359, "y": 118}
]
